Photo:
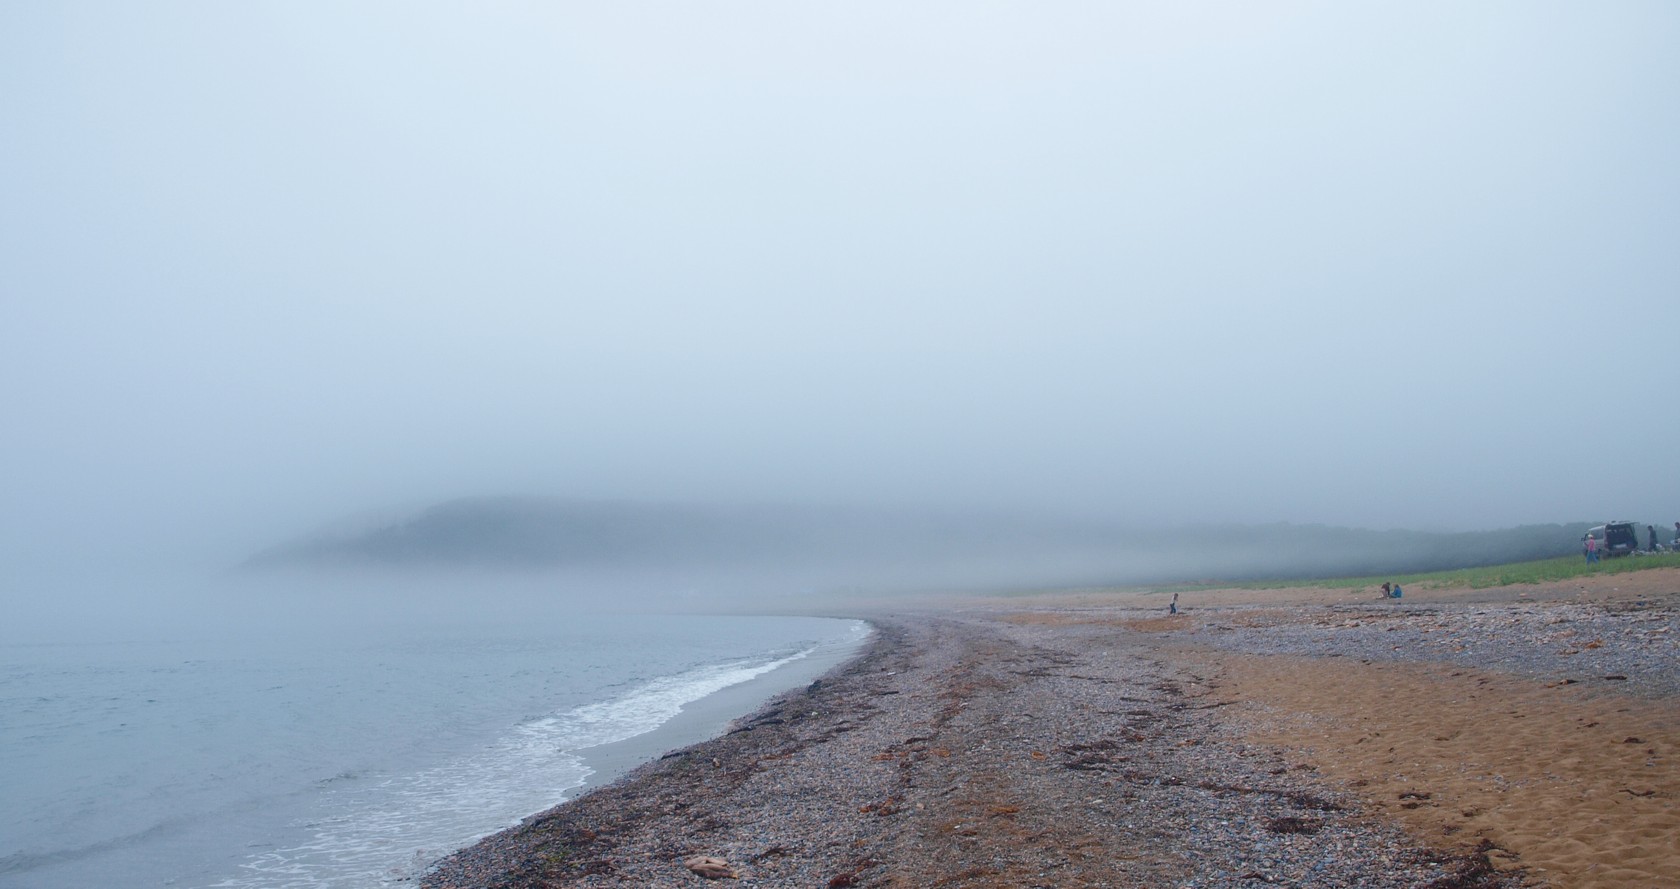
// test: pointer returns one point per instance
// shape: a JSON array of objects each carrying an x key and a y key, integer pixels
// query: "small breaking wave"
[{"x": 378, "y": 830}]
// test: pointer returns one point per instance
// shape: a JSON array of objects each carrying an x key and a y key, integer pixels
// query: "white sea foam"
[{"x": 376, "y": 832}]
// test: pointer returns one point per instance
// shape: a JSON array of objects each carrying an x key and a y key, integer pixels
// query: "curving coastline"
[{"x": 1286, "y": 738}]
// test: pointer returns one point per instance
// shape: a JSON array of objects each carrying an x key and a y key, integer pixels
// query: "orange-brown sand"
[
  {"x": 1579, "y": 787},
  {"x": 1582, "y": 791}
]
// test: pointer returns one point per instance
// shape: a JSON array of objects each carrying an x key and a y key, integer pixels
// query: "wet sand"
[{"x": 1288, "y": 737}]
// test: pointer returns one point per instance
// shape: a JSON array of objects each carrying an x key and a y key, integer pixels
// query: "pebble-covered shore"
[
  {"x": 1632, "y": 647},
  {"x": 1005, "y": 750}
]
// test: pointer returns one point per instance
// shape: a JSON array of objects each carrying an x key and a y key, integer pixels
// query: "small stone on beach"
[{"x": 710, "y": 867}]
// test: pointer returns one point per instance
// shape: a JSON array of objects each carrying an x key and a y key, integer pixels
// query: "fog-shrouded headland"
[{"x": 820, "y": 549}]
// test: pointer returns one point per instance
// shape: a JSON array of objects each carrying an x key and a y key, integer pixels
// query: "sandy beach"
[{"x": 1523, "y": 736}]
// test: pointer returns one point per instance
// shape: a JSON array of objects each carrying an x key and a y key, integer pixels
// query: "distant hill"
[{"x": 893, "y": 547}]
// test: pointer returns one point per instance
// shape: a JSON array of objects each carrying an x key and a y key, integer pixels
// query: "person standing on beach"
[{"x": 1172, "y": 607}]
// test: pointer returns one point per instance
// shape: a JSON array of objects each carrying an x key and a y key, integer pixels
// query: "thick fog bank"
[{"x": 705, "y": 553}]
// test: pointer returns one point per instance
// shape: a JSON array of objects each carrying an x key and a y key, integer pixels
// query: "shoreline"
[
  {"x": 1083, "y": 740},
  {"x": 710, "y": 716}
]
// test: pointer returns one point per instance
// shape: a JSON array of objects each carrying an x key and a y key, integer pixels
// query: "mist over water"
[{"x": 279, "y": 265}]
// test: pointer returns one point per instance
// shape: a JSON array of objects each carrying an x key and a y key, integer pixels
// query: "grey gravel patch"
[{"x": 1628, "y": 650}]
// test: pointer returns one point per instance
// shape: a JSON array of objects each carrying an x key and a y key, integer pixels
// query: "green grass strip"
[{"x": 1540, "y": 571}]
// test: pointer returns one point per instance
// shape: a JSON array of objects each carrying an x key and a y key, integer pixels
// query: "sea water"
[{"x": 280, "y": 753}]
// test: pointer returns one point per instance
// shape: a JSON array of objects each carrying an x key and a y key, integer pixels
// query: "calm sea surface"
[{"x": 341, "y": 751}]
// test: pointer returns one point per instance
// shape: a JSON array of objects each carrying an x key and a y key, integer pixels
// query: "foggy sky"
[{"x": 266, "y": 265}]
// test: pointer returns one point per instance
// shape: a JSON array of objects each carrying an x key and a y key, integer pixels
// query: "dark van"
[{"x": 1614, "y": 538}]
